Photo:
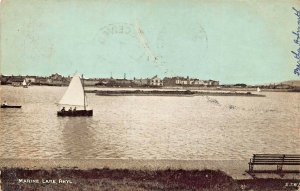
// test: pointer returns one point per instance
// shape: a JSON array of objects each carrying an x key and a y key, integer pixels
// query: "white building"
[{"x": 155, "y": 81}]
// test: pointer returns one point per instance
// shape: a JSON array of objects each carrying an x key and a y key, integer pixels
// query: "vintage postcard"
[{"x": 150, "y": 95}]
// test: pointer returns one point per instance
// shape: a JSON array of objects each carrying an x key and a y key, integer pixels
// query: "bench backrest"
[{"x": 276, "y": 159}]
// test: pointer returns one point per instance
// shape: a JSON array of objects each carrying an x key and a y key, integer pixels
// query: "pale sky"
[{"x": 230, "y": 41}]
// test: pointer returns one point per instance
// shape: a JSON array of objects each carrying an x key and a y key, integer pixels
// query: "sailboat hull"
[{"x": 77, "y": 113}]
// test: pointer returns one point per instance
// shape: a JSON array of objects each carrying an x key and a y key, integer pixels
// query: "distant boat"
[
  {"x": 258, "y": 89},
  {"x": 24, "y": 84},
  {"x": 74, "y": 97},
  {"x": 10, "y": 106}
]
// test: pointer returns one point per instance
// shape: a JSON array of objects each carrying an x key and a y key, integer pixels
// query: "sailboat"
[
  {"x": 74, "y": 97},
  {"x": 258, "y": 89},
  {"x": 24, "y": 84}
]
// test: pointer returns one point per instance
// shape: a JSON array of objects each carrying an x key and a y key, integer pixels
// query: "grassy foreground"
[{"x": 127, "y": 180}]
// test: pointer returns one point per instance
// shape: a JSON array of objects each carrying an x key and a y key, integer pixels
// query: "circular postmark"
[
  {"x": 119, "y": 43},
  {"x": 192, "y": 35},
  {"x": 116, "y": 29},
  {"x": 185, "y": 44},
  {"x": 126, "y": 43}
]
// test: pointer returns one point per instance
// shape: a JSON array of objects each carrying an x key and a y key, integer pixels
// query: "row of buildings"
[
  {"x": 54, "y": 80},
  {"x": 155, "y": 81}
]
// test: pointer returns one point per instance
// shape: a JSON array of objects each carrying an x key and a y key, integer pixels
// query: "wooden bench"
[{"x": 279, "y": 160}]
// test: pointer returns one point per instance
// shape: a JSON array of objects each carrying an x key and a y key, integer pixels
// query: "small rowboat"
[{"x": 11, "y": 106}]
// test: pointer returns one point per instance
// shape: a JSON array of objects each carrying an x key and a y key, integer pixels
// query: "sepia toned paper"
[{"x": 182, "y": 95}]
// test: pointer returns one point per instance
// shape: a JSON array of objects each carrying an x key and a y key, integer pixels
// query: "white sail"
[
  {"x": 258, "y": 89},
  {"x": 74, "y": 96},
  {"x": 24, "y": 83}
]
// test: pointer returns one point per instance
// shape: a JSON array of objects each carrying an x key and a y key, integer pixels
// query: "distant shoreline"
[
  {"x": 177, "y": 93},
  {"x": 92, "y": 89}
]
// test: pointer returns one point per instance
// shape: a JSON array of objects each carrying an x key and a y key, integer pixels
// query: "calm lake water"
[{"x": 148, "y": 127}]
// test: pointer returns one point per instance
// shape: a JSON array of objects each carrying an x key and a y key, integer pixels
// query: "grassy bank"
[{"x": 122, "y": 179}]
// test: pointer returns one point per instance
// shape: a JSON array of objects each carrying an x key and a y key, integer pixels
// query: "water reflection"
[
  {"x": 80, "y": 140},
  {"x": 148, "y": 127},
  {"x": 77, "y": 137}
]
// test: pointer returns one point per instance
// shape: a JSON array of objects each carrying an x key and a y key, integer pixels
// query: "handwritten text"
[{"x": 297, "y": 41}]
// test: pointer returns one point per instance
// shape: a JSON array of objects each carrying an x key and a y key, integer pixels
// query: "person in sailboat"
[
  {"x": 74, "y": 109},
  {"x": 63, "y": 109},
  {"x": 70, "y": 109},
  {"x": 4, "y": 103}
]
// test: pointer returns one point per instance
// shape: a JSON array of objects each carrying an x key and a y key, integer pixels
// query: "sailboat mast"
[{"x": 83, "y": 92}]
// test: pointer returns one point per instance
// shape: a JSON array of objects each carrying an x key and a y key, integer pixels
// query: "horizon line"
[{"x": 265, "y": 83}]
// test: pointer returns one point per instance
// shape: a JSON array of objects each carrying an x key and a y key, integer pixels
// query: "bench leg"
[
  {"x": 279, "y": 167},
  {"x": 250, "y": 167}
]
